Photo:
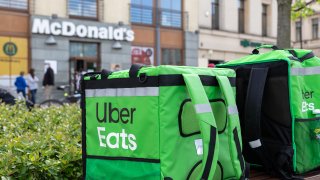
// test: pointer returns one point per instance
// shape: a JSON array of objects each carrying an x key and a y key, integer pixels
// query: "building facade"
[
  {"x": 77, "y": 36},
  {"x": 305, "y": 31},
  {"x": 230, "y": 29}
]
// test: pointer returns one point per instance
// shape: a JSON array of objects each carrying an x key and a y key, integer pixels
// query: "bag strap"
[
  {"x": 252, "y": 114},
  {"x": 207, "y": 124},
  {"x": 233, "y": 125},
  {"x": 252, "y": 129}
]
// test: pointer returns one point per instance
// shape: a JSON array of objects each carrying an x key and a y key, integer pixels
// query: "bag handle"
[
  {"x": 264, "y": 46},
  {"x": 306, "y": 56},
  {"x": 105, "y": 73},
  {"x": 94, "y": 75},
  {"x": 134, "y": 69},
  {"x": 207, "y": 124}
]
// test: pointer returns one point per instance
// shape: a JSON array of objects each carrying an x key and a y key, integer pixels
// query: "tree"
[
  {"x": 284, "y": 24},
  {"x": 301, "y": 9},
  {"x": 286, "y": 12}
]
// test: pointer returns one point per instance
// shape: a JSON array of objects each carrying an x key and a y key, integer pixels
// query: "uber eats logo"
[
  {"x": 306, "y": 95},
  {"x": 107, "y": 113}
]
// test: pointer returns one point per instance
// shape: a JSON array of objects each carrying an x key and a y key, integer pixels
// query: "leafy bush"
[{"x": 41, "y": 143}]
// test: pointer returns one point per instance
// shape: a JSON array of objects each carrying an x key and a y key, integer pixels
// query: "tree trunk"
[{"x": 284, "y": 24}]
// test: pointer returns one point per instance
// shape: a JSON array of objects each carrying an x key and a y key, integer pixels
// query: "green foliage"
[
  {"x": 41, "y": 143},
  {"x": 301, "y": 8}
]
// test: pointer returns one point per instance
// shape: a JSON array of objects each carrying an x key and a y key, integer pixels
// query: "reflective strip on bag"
[
  {"x": 116, "y": 92},
  {"x": 255, "y": 143},
  {"x": 232, "y": 110},
  {"x": 202, "y": 108},
  {"x": 305, "y": 71}
]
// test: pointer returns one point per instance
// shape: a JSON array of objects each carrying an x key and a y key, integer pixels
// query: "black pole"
[
  {"x": 301, "y": 31},
  {"x": 10, "y": 68},
  {"x": 158, "y": 21}
]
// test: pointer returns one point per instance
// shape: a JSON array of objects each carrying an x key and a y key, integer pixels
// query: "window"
[
  {"x": 171, "y": 57},
  {"x": 79, "y": 49},
  {"x": 241, "y": 15},
  {"x": 141, "y": 11},
  {"x": 14, "y": 4},
  {"x": 171, "y": 13},
  {"x": 215, "y": 14},
  {"x": 264, "y": 19},
  {"x": 83, "y": 8},
  {"x": 298, "y": 31},
  {"x": 315, "y": 28}
]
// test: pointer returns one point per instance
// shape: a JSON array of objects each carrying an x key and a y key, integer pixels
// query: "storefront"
[
  {"x": 74, "y": 46},
  {"x": 14, "y": 43}
]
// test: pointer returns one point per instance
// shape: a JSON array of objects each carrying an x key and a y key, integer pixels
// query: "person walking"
[
  {"x": 32, "y": 82},
  {"x": 21, "y": 84},
  {"x": 48, "y": 82}
]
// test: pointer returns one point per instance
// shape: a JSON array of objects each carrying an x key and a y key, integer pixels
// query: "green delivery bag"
[
  {"x": 278, "y": 96},
  {"x": 164, "y": 122}
]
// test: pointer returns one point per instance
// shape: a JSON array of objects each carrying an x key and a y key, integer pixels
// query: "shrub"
[{"x": 41, "y": 143}]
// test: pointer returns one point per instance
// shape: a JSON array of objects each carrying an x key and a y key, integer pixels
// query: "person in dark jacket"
[
  {"x": 21, "y": 84},
  {"x": 48, "y": 82}
]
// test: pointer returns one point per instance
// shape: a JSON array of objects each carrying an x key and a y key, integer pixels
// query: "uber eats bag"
[
  {"x": 164, "y": 122},
  {"x": 278, "y": 96}
]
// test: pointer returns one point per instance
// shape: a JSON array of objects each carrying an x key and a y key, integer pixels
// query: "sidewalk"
[{"x": 260, "y": 175}]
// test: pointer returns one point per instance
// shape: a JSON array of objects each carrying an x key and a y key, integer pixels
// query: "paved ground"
[{"x": 260, "y": 175}]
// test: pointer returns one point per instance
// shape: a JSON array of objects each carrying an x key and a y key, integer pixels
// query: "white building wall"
[
  {"x": 191, "y": 7},
  {"x": 116, "y": 10},
  {"x": 49, "y": 7},
  {"x": 273, "y": 14},
  {"x": 229, "y": 15},
  {"x": 204, "y": 13},
  {"x": 253, "y": 11},
  {"x": 225, "y": 44}
]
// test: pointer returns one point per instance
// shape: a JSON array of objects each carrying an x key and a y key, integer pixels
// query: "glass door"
[{"x": 83, "y": 59}]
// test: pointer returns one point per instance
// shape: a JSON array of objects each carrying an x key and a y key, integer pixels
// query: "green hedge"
[{"x": 41, "y": 143}]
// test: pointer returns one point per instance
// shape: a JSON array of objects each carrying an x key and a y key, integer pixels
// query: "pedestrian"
[
  {"x": 32, "y": 81},
  {"x": 48, "y": 82},
  {"x": 77, "y": 78},
  {"x": 116, "y": 67},
  {"x": 211, "y": 65},
  {"x": 21, "y": 84}
]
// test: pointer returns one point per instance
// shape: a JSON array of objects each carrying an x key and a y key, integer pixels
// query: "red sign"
[{"x": 142, "y": 55}]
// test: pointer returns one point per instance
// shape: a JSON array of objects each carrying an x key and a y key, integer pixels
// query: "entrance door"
[
  {"x": 83, "y": 65},
  {"x": 78, "y": 67},
  {"x": 83, "y": 59}
]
